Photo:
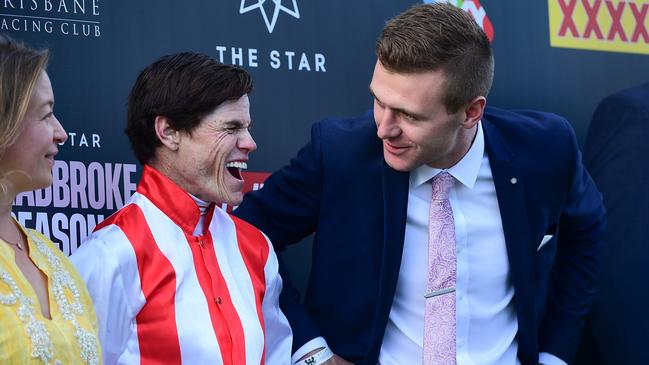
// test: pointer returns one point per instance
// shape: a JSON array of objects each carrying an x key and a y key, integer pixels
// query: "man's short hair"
[
  {"x": 183, "y": 87},
  {"x": 439, "y": 36}
]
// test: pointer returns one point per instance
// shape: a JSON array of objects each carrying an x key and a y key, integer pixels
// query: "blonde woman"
[{"x": 46, "y": 314}]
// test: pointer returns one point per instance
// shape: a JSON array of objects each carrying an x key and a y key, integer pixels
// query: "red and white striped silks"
[{"x": 165, "y": 296}]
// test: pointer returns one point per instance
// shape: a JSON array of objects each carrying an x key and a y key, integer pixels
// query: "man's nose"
[{"x": 387, "y": 126}]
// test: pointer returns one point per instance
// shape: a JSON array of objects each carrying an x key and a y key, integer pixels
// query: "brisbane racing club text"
[{"x": 74, "y": 18}]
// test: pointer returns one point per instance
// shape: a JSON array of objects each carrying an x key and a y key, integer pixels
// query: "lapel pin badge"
[{"x": 513, "y": 180}]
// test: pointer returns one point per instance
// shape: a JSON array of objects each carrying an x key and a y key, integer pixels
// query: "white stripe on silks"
[
  {"x": 197, "y": 338},
  {"x": 279, "y": 338},
  {"x": 114, "y": 239},
  {"x": 237, "y": 278},
  {"x": 131, "y": 354},
  {"x": 120, "y": 247}
]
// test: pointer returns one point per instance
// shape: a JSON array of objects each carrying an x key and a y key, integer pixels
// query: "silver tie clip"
[{"x": 439, "y": 292}]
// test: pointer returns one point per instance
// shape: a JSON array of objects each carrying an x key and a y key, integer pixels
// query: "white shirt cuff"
[
  {"x": 316, "y": 343},
  {"x": 549, "y": 359}
]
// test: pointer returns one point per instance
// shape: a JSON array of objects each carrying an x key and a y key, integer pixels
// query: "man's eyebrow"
[
  {"x": 397, "y": 110},
  {"x": 236, "y": 123},
  {"x": 372, "y": 93}
]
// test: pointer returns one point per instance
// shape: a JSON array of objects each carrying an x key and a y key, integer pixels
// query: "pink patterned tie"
[{"x": 439, "y": 317}]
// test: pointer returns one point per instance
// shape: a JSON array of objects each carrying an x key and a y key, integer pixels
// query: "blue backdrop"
[{"x": 309, "y": 60}]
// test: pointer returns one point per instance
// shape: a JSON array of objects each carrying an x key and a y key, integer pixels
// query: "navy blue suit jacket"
[
  {"x": 616, "y": 155},
  {"x": 340, "y": 187}
]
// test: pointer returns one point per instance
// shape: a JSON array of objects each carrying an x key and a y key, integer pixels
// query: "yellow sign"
[{"x": 601, "y": 25}]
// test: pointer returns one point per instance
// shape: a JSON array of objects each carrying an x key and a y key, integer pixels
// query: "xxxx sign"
[{"x": 602, "y": 25}]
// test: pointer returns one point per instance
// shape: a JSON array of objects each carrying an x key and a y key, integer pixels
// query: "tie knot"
[{"x": 442, "y": 183}]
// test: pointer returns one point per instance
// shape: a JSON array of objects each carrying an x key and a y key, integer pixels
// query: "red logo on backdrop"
[
  {"x": 480, "y": 15},
  {"x": 251, "y": 181},
  {"x": 474, "y": 8}
]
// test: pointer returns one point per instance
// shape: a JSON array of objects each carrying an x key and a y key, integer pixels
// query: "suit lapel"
[
  {"x": 395, "y": 206},
  {"x": 510, "y": 190}
]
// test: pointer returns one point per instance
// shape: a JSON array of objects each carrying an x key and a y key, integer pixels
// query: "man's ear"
[
  {"x": 473, "y": 111},
  {"x": 169, "y": 137}
]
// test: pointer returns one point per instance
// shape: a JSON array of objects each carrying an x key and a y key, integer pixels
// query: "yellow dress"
[{"x": 26, "y": 336}]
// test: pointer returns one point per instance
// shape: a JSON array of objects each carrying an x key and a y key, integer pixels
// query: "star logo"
[{"x": 272, "y": 20}]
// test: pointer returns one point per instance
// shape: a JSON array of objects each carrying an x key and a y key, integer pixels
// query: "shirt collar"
[
  {"x": 203, "y": 205},
  {"x": 465, "y": 171},
  {"x": 176, "y": 203}
]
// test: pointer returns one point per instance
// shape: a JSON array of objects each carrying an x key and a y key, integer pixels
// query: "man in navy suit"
[
  {"x": 528, "y": 220},
  {"x": 616, "y": 155}
]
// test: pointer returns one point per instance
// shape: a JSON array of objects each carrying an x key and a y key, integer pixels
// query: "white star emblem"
[{"x": 270, "y": 23}]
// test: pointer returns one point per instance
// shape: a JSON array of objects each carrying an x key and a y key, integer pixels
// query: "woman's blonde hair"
[{"x": 20, "y": 68}]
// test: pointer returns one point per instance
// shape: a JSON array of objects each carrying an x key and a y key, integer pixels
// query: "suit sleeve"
[
  {"x": 572, "y": 283},
  {"x": 286, "y": 209},
  {"x": 98, "y": 266},
  {"x": 616, "y": 155}
]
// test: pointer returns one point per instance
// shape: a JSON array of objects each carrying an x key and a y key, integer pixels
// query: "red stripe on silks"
[
  {"x": 108, "y": 221},
  {"x": 157, "y": 333},
  {"x": 254, "y": 250},
  {"x": 225, "y": 319}
]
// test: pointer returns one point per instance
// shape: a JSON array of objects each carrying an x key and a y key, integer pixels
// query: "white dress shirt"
[{"x": 485, "y": 311}]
